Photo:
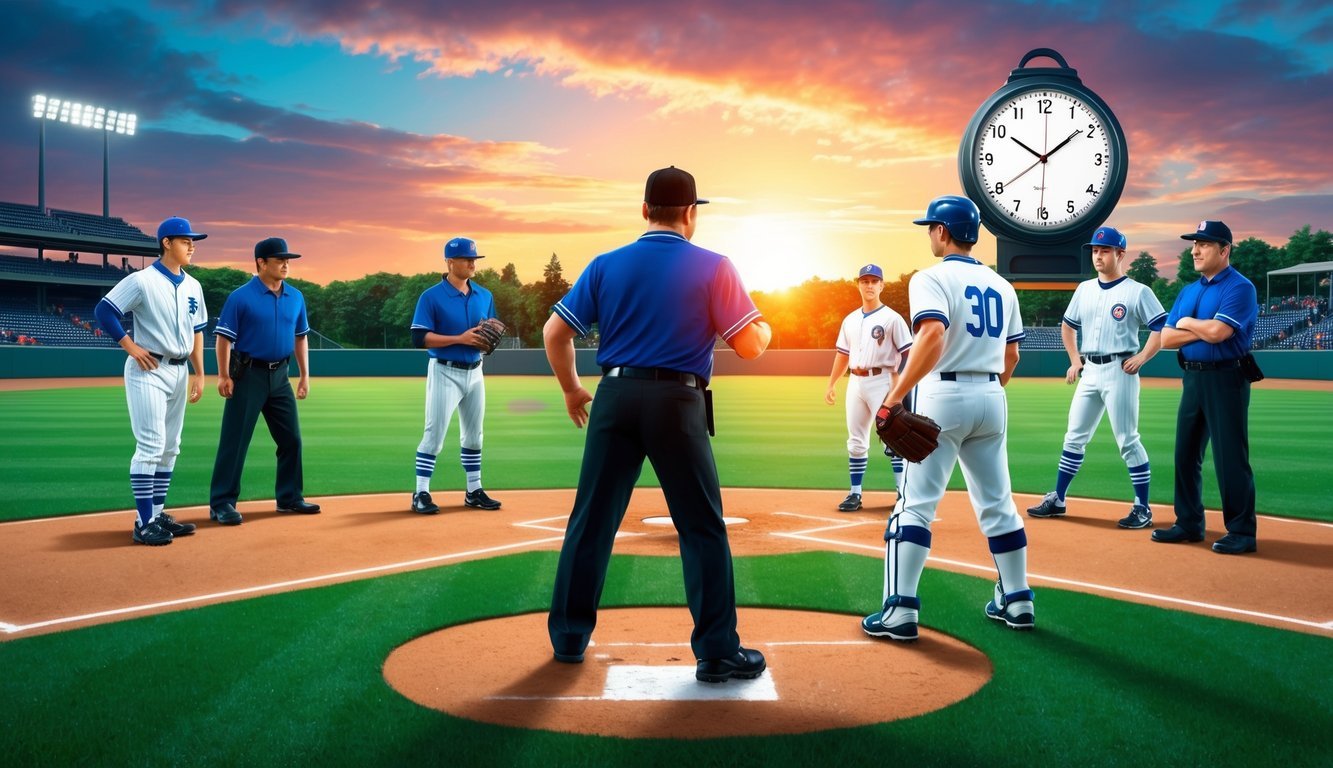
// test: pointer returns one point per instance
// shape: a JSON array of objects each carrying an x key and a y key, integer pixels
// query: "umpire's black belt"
[
  {"x": 1220, "y": 365},
  {"x": 659, "y": 374},
  {"x": 270, "y": 365},
  {"x": 168, "y": 360},
  {"x": 953, "y": 376},
  {"x": 456, "y": 364},
  {"x": 1104, "y": 359}
]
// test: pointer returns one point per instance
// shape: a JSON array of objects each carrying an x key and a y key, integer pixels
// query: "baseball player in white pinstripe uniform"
[
  {"x": 1107, "y": 311},
  {"x": 169, "y": 319},
  {"x": 966, "y": 347},
  {"x": 872, "y": 343}
]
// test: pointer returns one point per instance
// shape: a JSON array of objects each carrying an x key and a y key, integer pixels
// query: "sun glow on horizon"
[{"x": 772, "y": 252}]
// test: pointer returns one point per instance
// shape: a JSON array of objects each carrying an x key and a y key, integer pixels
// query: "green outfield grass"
[
  {"x": 295, "y": 679},
  {"x": 67, "y": 450}
]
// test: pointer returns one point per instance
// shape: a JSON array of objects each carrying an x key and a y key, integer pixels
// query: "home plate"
[{"x": 628, "y": 682}]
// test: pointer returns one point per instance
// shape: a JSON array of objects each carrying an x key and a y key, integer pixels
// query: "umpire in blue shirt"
[
  {"x": 1211, "y": 325},
  {"x": 262, "y": 326},
  {"x": 659, "y": 303}
]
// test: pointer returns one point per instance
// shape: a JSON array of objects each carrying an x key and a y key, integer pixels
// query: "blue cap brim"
[{"x": 1206, "y": 238}]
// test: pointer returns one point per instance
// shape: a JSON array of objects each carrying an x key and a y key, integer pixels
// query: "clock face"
[{"x": 1043, "y": 158}]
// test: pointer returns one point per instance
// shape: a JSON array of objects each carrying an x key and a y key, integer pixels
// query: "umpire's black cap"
[{"x": 274, "y": 248}]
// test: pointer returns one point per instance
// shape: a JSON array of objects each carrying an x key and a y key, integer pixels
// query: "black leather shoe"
[
  {"x": 480, "y": 500},
  {"x": 1234, "y": 544},
  {"x": 423, "y": 504},
  {"x": 747, "y": 664},
  {"x": 1175, "y": 535},
  {"x": 174, "y": 528},
  {"x": 224, "y": 515},
  {"x": 301, "y": 507},
  {"x": 569, "y": 658},
  {"x": 851, "y": 503}
]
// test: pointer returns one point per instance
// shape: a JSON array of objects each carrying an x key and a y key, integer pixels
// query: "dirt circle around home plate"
[{"x": 637, "y": 678}]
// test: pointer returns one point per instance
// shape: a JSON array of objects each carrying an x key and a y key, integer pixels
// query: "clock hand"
[
  {"x": 1061, "y": 144},
  {"x": 1035, "y": 163},
  {"x": 1034, "y": 152}
]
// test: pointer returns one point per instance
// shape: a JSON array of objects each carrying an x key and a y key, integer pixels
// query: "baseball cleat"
[
  {"x": 1138, "y": 517},
  {"x": 1050, "y": 506},
  {"x": 480, "y": 500},
  {"x": 903, "y": 632},
  {"x": 224, "y": 515},
  {"x": 851, "y": 503},
  {"x": 747, "y": 664},
  {"x": 174, "y": 528},
  {"x": 153, "y": 534},
  {"x": 299, "y": 507},
  {"x": 422, "y": 503},
  {"x": 1015, "y": 609}
]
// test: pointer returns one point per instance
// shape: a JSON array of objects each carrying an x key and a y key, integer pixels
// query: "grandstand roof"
[{"x": 1304, "y": 269}]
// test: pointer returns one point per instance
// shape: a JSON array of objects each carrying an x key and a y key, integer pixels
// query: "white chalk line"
[
  {"x": 1084, "y": 584},
  {"x": 13, "y": 629},
  {"x": 748, "y": 642}
]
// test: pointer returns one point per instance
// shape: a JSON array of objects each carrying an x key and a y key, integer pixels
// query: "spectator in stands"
[{"x": 1212, "y": 324}]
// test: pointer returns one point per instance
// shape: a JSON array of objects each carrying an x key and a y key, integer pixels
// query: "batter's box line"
[
  {"x": 533, "y": 524},
  {"x": 8, "y": 628},
  {"x": 990, "y": 569},
  {"x": 12, "y": 629}
]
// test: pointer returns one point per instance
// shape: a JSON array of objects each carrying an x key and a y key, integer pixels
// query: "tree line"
[{"x": 375, "y": 311}]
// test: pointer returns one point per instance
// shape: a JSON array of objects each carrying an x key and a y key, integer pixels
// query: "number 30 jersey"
[{"x": 979, "y": 310}]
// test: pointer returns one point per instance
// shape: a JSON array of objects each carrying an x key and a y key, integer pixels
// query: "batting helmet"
[{"x": 958, "y": 214}]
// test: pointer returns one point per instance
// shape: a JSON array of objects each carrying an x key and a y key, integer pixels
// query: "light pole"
[{"x": 108, "y": 121}]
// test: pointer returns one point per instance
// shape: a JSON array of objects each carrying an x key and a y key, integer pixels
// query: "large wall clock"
[{"x": 1045, "y": 160}]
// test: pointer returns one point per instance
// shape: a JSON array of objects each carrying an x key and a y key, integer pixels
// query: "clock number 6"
[{"x": 989, "y": 310}]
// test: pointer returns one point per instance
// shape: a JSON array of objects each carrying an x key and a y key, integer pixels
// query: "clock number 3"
[{"x": 989, "y": 312}]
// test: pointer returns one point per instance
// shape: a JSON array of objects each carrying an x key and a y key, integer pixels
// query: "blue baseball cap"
[
  {"x": 274, "y": 248},
  {"x": 872, "y": 270},
  {"x": 177, "y": 227},
  {"x": 1213, "y": 231},
  {"x": 461, "y": 248},
  {"x": 1109, "y": 237}
]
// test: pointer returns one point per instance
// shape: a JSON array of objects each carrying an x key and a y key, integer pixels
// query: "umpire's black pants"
[
  {"x": 665, "y": 421},
  {"x": 1215, "y": 410},
  {"x": 258, "y": 391}
]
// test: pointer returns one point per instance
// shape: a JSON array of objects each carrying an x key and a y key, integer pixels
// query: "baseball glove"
[
  {"x": 492, "y": 330},
  {"x": 909, "y": 435}
]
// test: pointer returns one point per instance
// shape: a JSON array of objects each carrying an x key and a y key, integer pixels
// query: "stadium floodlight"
[{"x": 108, "y": 121}]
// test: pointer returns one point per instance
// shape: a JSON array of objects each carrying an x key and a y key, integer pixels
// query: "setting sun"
[{"x": 771, "y": 251}]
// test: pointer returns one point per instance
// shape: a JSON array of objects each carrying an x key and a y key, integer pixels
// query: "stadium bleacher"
[
  {"x": 29, "y": 217},
  {"x": 99, "y": 226},
  {"x": 1042, "y": 338}
]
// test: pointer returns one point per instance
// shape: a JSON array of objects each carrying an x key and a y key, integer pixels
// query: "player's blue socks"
[
  {"x": 142, "y": 487},
  {"x": 470, "y": 458},
  {"x": 161, "y": 484},
  {"x": 1140, "y": 477},
  {"x": 425, "y": 468},
  {"x": 856, "y": 468},
  {"x": 1069, "y": 464}
]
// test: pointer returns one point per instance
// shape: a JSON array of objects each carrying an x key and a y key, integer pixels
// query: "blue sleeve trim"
[
  {"x": 842, "y": 351},
  {"x": 750, "y": 317},
  {"x": 109, "y": 316},
  {"x": 1157, "y": 323},
  {"x": 200, "y": 327},
  {"x": 1075, "y": 325},
  {"x": 905, "y": 347},
  {"x": 568, "y": 317},
  {"x": 224, "y": 332},
  {"x": 930, "y": 314},
  {"x": 1229, "y": 320},
  {"x": 1016, "y": 337}
]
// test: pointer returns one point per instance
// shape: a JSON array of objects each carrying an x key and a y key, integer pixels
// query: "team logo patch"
[
  {"x": 877, "y": 333},
  {"x": 194, "y": 305},
  {"x": 1119, "y": 311}
]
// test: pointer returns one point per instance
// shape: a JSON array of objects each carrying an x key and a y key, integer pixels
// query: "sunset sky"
[{"x": 368, "y": 132}]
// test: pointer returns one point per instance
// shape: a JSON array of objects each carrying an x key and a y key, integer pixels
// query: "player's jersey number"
[{"x": 989, "y": 312}]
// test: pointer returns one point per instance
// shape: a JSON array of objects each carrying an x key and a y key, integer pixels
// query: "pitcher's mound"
[{"x": 637, "y": 679}]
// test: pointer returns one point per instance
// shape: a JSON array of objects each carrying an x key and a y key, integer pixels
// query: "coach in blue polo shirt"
[
  {"x": 262, "y": 325},
  {"x": 1211, "y": 325},
  {"x": 658, "y": 304}
]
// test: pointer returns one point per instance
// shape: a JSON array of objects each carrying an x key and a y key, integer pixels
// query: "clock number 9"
[
  {"x": 989, "y": 158},
  {"x": 989, "y": 311}
]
